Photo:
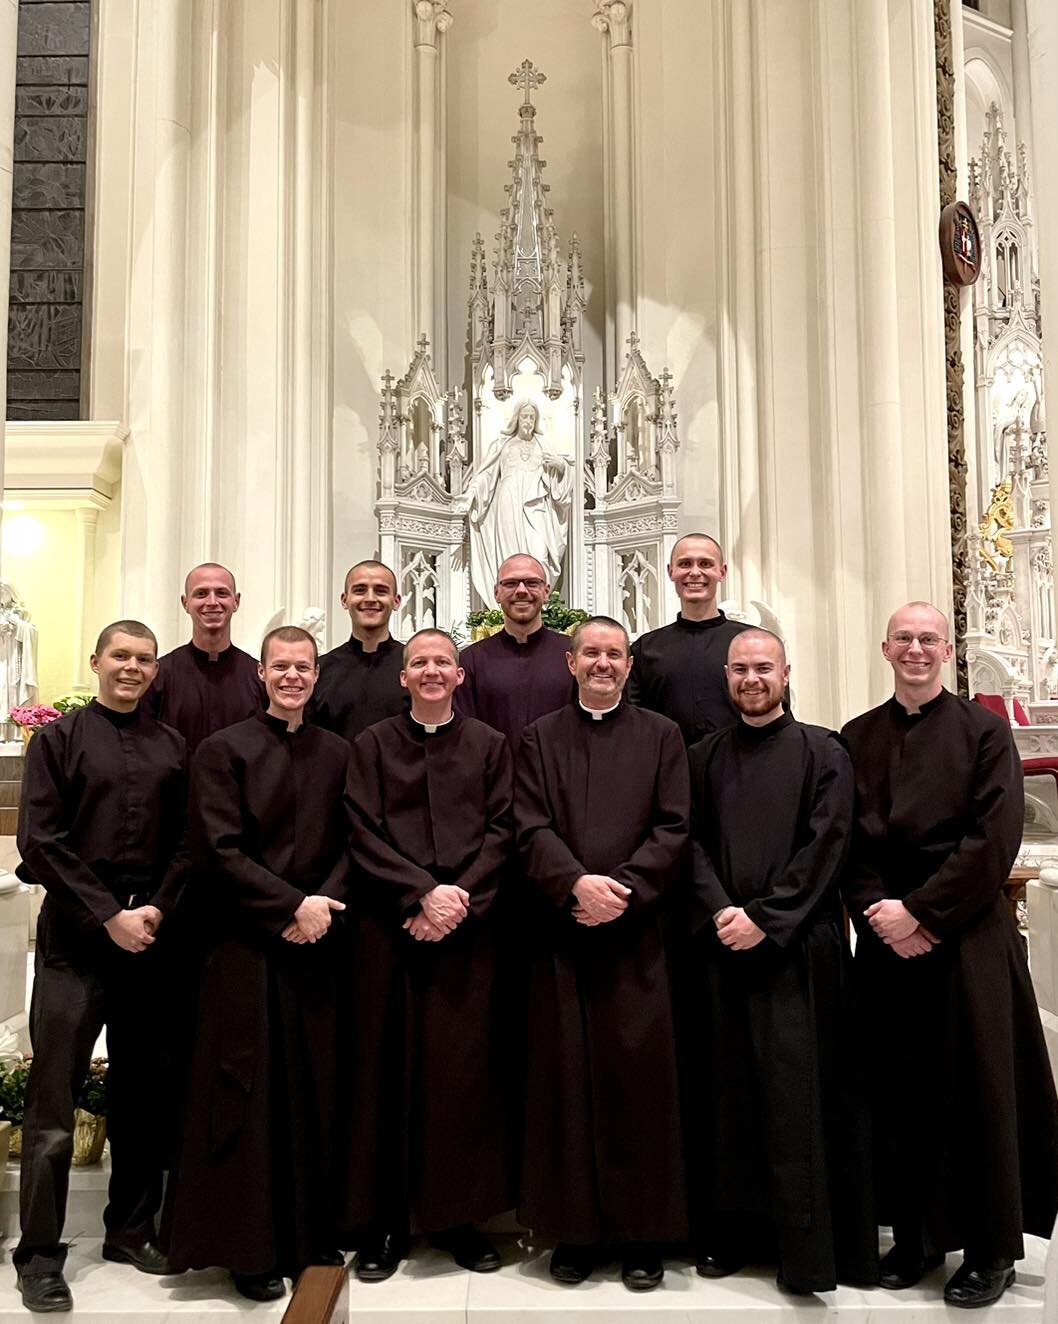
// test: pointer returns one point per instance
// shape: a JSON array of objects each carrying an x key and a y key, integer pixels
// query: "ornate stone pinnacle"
[{"x": 527, "y": 77}]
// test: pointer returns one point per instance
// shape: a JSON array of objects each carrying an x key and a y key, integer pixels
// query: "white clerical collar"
[
  {"x": 597, "y": 714},
  {"x": 432, "y": 728}
]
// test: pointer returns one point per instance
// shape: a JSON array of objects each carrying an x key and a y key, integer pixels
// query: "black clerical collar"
[
  {"x": 924, "y": 709},
  {"x": 710, "y": 623},
  {"x": 384, "y": 646},
  {"x": 114, "y": 717},
  {"x": 205, "y": 656},
  {"x": 754, "y": 734},
  {"x": 598, "y": 714},
  {"x": 427, "y": 730},
  {"x": 278, "y": 724},
  {"x": 531, "y": 640}
]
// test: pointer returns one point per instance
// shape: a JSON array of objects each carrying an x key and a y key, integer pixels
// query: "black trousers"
[{"x": 81, "y": 982}]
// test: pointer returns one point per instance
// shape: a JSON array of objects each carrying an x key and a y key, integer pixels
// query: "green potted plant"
[
  {"x": 14, "y": 1073},
  {"x": 90, "y": 1116},
  {"x": 556, "y": 616}
]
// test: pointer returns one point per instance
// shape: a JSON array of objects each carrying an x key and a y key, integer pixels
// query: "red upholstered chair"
[
  {"x": 994, "y": 703},
  {"x": 1045, "y": 767}
]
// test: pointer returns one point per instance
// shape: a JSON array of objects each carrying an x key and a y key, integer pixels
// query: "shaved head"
[
  {"x": 519, "y": 564},
  {"x": 211, "y": 568},
  {"x": 937, "y": 620},
  {"x": 754, "y": 635},
  {"x": 369, "y": 565},
  {"x": 696, "y": 537}
]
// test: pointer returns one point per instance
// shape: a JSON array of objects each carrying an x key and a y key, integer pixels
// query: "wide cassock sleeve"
[
  {"x": 548, "y": 862},
  {"x": 709, "y": 895},
  {"x": 372, "y": 849},
  {"x": 178, "y": 874},
  {"x": 217, "y": 835},
  {"x": 482, "y": 876},
  {"x": 654, "y": 864},
  {"x": 969, "y": 880},
  {"x": 44, "y": 834},
  {"x": 818, "y": 862},
  {"x": 336, "y": 884}
]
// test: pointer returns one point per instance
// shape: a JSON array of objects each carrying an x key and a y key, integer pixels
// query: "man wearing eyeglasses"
[
  {"x": 519, "y": 673},
  {"x": 966, "y": 1119}
]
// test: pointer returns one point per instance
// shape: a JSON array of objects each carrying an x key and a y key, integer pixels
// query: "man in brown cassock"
[
  {"x": 104, "y": 799},
  {"x": 519, "y": 673},
  {"x": 206, "y": 684},
  {"x": 430, "y": 798},
  {"x": 360, "y": 680},
  {"x": 778, "y": 1136},
  {"x": 601, "y": 808},
  {"x": 253, "y": 1185},
  {"x": 965, "y": 1114}
]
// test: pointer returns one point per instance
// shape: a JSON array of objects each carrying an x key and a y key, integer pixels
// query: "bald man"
[
  {"x": 207, "y": 684},
  {"x": 679, "y": 669},
  {"x": 360, "y": 680},
  {"x": 519, "y": 673},
  {"x": 779, "y": 1140},
  {"x": 964, "y": 1103}
]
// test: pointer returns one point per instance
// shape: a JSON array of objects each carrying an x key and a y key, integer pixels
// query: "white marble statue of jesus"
[{"x": 518, "y": 500}]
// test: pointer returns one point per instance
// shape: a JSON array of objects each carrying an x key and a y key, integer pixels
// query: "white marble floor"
[{"x": 429, "y": 1290}]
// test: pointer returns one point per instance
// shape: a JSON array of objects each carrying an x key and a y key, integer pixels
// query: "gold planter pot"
[
  {"x": 14, "y": 1147},
  {"x": 89, "y": 1137}
]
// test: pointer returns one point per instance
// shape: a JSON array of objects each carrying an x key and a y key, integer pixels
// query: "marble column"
[
  {"x": 614, "y": 19},
  {"x": 432, "y": 19},
  {"x": 1041, "y": 39}
]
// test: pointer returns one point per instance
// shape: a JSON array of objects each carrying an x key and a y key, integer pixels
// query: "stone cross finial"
[{"x": 527, "y": 77}]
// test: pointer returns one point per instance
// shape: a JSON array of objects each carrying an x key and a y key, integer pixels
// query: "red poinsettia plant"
[{"x": 35, "y": 715}]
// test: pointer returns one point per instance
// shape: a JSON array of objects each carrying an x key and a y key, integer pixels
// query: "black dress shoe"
[
  {"x": 969, "y": 1287},
  {"x": 469, "y": 1248},
  {"x": 259, "y": 1286},
  {"x": 641, "y": 1268},
  {"x": 379, "y": 1258},
  {"x": 571, "y": 1264},
  {"x": 330, "y": 1259},
  {"x": 904, "y": 1268},
  {"x": 147, "y": 1258},
  {"x": 45, "y": 1293},
  {"x": 716, "y": 1266}
]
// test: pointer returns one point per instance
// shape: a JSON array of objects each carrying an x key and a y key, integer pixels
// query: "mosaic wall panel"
[{"x": 46, "y": 310}]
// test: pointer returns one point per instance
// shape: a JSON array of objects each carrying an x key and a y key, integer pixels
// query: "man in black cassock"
[
  {"x": 519, "y": 673},
  {"x": 778, "y": 1132},
  {"x": 679, "y": 669},
  {"x": 430, "y": 797},
  {"x": 360, "y": 680},
  {"x": 253, "y": 1188},
  {"x": 601, "y": 808},
  {"x": 965, "y": 1114},
  {"x": 102, "y": 817},
  {"x": 206, "y": 684}
]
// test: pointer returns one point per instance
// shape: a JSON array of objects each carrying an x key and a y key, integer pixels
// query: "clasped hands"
[
  {"x": 133, "y": 930},
  {"x": 442, "y": 910},
  {"x": 897, "y": 927},
  {"x": 600, "y": 899},
  {"x": 311, "y": 920},
  {"x": 736, "y": 930}
]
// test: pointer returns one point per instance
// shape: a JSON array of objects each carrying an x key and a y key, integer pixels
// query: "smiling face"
[
  {"x": 370, "y": 598},
  {"x": 917, "y": 646},
  {"x": 757, "y": 673},
  {"x": 126, "y": 665},
  {"x": 600, "y": 665},
  {"x": 211, "y": 601},
  {"x": 431, "y": 674},
  {"x": 289, "y": 672},
  {"x": 522, "y": 589},
  {"x": 696, "y": 569}
]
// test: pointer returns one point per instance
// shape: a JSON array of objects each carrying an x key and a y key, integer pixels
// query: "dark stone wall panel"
[
  {"x": 48, "y": 184},
  {"x": 50, "y": 138},
  {"x": 44, "y": 335},
  {"x": 52, "y": 69},
  {"x": 51, "y": 101},
  {"x": 46, "y": 287},
  {"x": 43, "y": 385},
  {"x": 54, "y": 29},
  {"x": 29, "y": 411},
  {"x": 47, "y": 240}
]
